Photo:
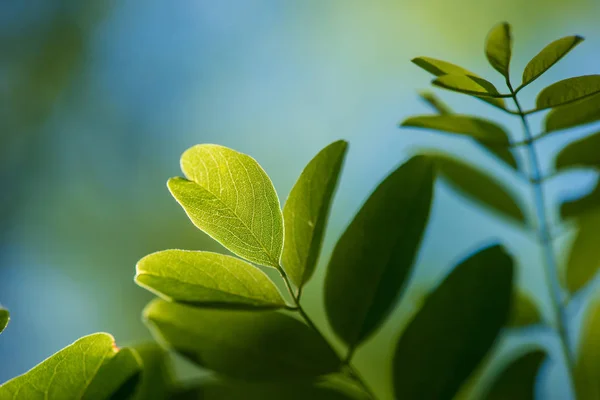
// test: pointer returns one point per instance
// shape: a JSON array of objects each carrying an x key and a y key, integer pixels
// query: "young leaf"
[
  {"x": 306, "y": 211},
  {"x": 479, "y": 187},
  {"x": 435, "y": 103},
  {"x": 117, "y": 378},
  {"x": 70, "y": 372},
  {"x": 158, "y": 376},
  {"x": 263, "y": 345},
  {"x": 517, "y": 381},
  {"x": 587, "y": 366},
  {"x": 579, "y": 113},
  {"x": 498, "y": 48},
  {"x": 204, "y": 278},
  {"x": 468, "y": 84},
  {"x": 475, "y": 127},
  {"x": 549, "y": 56},
  {"x": 456, "y": 327},
  {"x": 581, "y": 153},
  {"x": 568, "y": 91},
  {"x": 231, "y": 198},
  {"x": 584, "y": 258},
  {"x": 524, "y": 311},
  {"x": 375, "y": 254},
  {"x": 4, "y": 318}
]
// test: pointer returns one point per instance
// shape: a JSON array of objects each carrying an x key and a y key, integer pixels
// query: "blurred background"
[{"x": 99, "y": 99}]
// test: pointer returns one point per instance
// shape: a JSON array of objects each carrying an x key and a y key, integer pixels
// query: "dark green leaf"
[
  {"x": 435, "y": 103},
  {"x": 479, "y": 187},
  {"x": 498, "y": 48},
  {"x": 582, "y": 205},
  {"x": 242, "y": 344},
  {"x": 375, "y": 254},
  {"x": 306, "y": 211},
  {"x": 584, "y": 258},
  {"x": 549, "y": 56},
  {"x": 4, "y": 318},
  {"x": 157, "y": 376},
  {"x": 468, "y": 84},
  {"x": 456, "y": 327},
  {"x": 579, "y": 113},
  {"x": 231, "y": 198},
  {"x": 524, "y": 311},
  {"x": 568, "y": 91},
  {"x": 517, "y": 380},
  {"x": 587, "y": 366},
  {"x": 68, "y": 373},
  {"x": 204, "y": 278},
  {"x": 475, "y": 127},
  {"x": 117, "y": 378},
  {"x": 581, "y": 153}
]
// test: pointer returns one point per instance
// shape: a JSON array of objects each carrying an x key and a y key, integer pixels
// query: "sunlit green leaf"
[
  {"x": 524, "y": 311},
  {"x": 375, "y": 254},
  {"x": 517, "y": 380},
  {"x": 242, "y": 344},
  {"x": 582, "y": 205},
  {"x": 204, "y": 278},
  {"x": 435, "y": 103},
  {"x": 549, "y": 56},
  {"x": 467, "y": 85},
  {"x": 456, "y": 327},
  {"x": 479, "y": 187},
  {"x": 475, "y": 127},
  {"x": 70, "y": 373},
  {"x": 568, "y": 91},
  {"x": 158, "y": 376},
  {"x": 4, "y": 318},
  {"x": 587, "y": 366},
  {"x": 498, "y": 48},
  {"x": 579, "y": 113},
  {"x": 231, "y": 198},
  {"x": 306, "y": 211},
  {"x": 584, "y": 258},
  {"x": 581, "y": 153},
  {"x": 116, "y": 379}
]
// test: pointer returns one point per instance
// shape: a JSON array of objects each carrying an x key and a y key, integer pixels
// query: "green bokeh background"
[{"x": 100, "y": 98}]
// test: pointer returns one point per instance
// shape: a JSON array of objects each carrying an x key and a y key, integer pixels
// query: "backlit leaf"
[
  {"x": 435, "y": 103},
  {"x": 467, "y": 85},
  {"x": 455, "y": 328},
  {"x": 4, "y": 318},
  {"x": 242, "y": 344},
  {"x": 549, "y": 56},
  {"x": 70, "y": 373},
  {"x": 116, "y": 379},
  {"x": 517, "y": 380},
  {"x": 581, "y": 153},
  {"x": 579, "y": 113},
  {"x": 479, "y": 187},
  {"x": 584, "y": 259},
  {"x": 204, "y": 278},
  {"x": 157, "y": 376},
  {"x": 230, "y": 197},
  {"x": 306, "y": 211},
  {"x": 498, "y": 48},
  {"x": 375, "y": 254},
  {"x": 568, "y": 91},
  {"x": 587, "y": 366}
]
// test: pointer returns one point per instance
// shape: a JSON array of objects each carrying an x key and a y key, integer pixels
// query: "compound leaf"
[
  {"x": 116, "y": 379},
  {"x": 467, "y": 84},
  {"x": 568, "y": 91},
  {"x": 587, "y": 366},
  {"x": 230, "y": 197},
  {"x": 204, "y": 278},
  {"x": 306, "y": 211},
  {"x": 479, "y": 187},
  {"x": 584, "y": 259},
  {"x": 579, "y": 113},
  {"x": 4, "y": 318},
  {"x": 435, "y": 103},
  {"x": 498, "y": 48},
  {"x": 517, "y": 380},
  {"x": 264, "y": 345},
  {"x": 456, "y": 327},
  {"x": 524, "y": 311},
  {"x": 158, "y": 376},
  {"x": 549, "y": 56},
  {"x": 375, "y": 254},
  {"x": 70, "y": 373},
  {"x": 581, "y": 153}
]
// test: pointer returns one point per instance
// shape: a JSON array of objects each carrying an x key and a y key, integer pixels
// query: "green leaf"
[
  {"x": 582, "y": 205},
  {"x": 456, "y": 327},
  {"x": 498, "y": 48},
  {"x": 375, "y": 254},
  {"x": 479, "y": 187},
  {"x": 468, "y": 84},
  {"x": 435, "y": 103},
  {"x": 579, "y": 113},
  {"x": 116, "y": 379},
  {"x": 524, "y": 311},
  {"x": 204, "y": 278},
  {"x": 475, "y": 127},
  {"x": 242, "y": 344},
  {"x": 158, "y": 376},
  {"x": 517, "y": 380},
  {"x": 75, "y": 372},
  {"x": 581, "y": 153},
  {"x": 568, "y": 91},
  {"x": 584, "y": 258},
  {"x": 4, "y": 318},
  {"x": 306, "y": 211},
  {"x": 549, "y": 56},
  {"x": 587, "y": 366},
  {"x": 231, "y": 198}
]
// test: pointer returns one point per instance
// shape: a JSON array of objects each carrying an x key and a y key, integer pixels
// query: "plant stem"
[
  {"x": 545, "y": 238},
  {"x": 353, "y": 372}
]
